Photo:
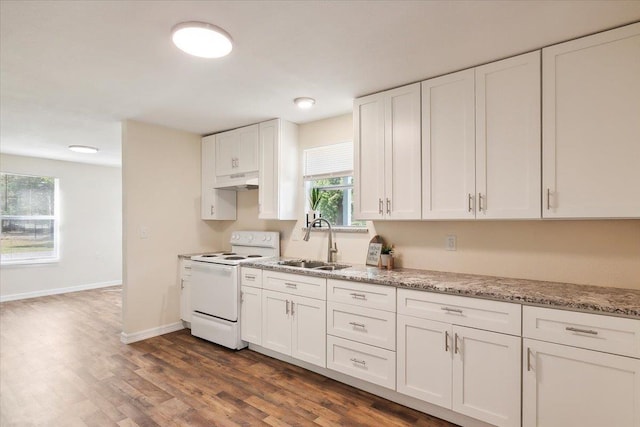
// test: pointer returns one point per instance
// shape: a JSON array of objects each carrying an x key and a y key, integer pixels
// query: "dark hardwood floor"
[{"x": 62, "y": 364}]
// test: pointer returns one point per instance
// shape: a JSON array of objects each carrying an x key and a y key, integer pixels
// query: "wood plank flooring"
[{"x": 62, "y": 364}]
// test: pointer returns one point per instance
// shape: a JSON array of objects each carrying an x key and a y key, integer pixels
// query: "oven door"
[{"x": 215, "y": 290}]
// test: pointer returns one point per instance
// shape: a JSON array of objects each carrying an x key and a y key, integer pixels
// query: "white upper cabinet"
[
  {"x": 215, "y": 203},
  {"x": 387, "y": 155},
  {"x": 448, "y": 146},
  {"x": 237, "y": 151},
  {"x": 591, "y": 122},
  {"x": 481, "y": 142},
  {"x": 508, "y": 138},
  {"x": 278, "y": 172}
]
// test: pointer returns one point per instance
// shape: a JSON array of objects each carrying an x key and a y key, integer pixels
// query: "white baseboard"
[
  {"x": 150, "y": 333},
  {"x": 47, "y": 292}
]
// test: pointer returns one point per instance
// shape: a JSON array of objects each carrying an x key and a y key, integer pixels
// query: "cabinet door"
[
  {"x": 225, "y": 152},
  {"x": 251, "y": 315},
  {"x": 486, "y": 376},
  {"x": 268, "y": 170},
  {"x": 185, "y": 299},
  {"x": 368, "y": 191},
  {"x": 309, "y": 330},
  {"x": 591, "y": 106},
  {"x": 424, "y": 360},
  {"x": 568, "y": 386},
  {"x": 403, "y": 186},
  {"x": 215, "y": 204},
  {"x": 246, "y": 152},
  {"x": 278, "y": 170},
  {"x": 448, "y": 146},
  {"x": 276, "y": 321},
  {"x": 508, "y": 138}
]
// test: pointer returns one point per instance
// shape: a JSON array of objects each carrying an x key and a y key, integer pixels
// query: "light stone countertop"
[{"x": 594, "y": 299}]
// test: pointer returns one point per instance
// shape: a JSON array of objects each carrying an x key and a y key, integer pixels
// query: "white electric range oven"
[{"x": 215, "y": 286}]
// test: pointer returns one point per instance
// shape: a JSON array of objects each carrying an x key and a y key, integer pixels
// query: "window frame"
[{"x": 55, "y": 258}]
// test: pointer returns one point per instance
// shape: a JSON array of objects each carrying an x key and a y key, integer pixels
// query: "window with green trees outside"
[
  {"x": 328, "y": 178},
  {"x": 29, "y": 218}
]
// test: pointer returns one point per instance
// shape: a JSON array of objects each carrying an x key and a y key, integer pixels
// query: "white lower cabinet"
[
  {"x": 361, "y": 328},
  {"x": 580, "y": 369},
  {"x": 568, "y": 386},
  {"x": 295, "y": 326},
  {"x": 251, "y": 315},
  {"x": 471, "y": 371},
  {"x": 486, "y": 375},
  {"x": 185, "y": 289},
  {"x": 251, "y": 305}
]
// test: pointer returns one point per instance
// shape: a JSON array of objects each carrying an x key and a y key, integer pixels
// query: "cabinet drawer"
[
  {"x": 365, "y": 325},
  {"x": 362, "y": 294},
  {"x": 476, "y": 313},
  {"x": 251, "y": 277},
  {"x": 366, "y": 362},
  {"x": 296, "y": 284},
  {"x": 592, "y": 331}
]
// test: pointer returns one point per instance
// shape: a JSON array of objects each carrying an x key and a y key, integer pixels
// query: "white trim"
[
  {"x": 47, "y": 292},
  {"x": 150, "y": 333}
]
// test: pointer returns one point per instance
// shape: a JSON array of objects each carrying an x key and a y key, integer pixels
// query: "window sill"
[
  {"x": 339, "y": 229},
  {"x": 28, "y": 262}
]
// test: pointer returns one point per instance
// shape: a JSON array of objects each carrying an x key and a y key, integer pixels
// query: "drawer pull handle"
[
  {"x": 187, "y": 268},
  {"x": 583, "y": 331},
  {"x": 291, "y": 285},
  {"x": 357, "y": 325},
  {"x": 250, "y": 277},
  {"x": 358, "y": 296},
  {"x": 358, "y": 361},
  {"x": 451, "y": 310},
  {"x": 446, "y": 341},
  {"x": 455, "y": 344},
  {"x": 528, "y": 359}
]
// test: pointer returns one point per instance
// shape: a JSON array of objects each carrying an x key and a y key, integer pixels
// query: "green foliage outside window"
[
  {"x": 334, "y": 200},
  {"x": 27, "y": 206}
]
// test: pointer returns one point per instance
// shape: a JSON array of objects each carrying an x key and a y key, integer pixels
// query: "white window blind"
[{"x": 328, "y": 161}]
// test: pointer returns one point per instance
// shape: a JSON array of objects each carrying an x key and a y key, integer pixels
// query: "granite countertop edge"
[{"x": 619, "y": 302}]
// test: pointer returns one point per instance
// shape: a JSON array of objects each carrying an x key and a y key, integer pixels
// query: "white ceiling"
[{"x": 72, "y": 70}]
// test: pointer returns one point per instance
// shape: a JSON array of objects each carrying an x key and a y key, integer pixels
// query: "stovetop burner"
[
  {"x": 209, "y": 255},
  {"x": 228, "y": 253},
  {"x": 255, "y": 256},
  {"x": 234, "y": 258}
]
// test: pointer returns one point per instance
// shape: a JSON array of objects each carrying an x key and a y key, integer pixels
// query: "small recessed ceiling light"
[
  {"x": 304, "y": 102},
  {"x": 201, "y": 39},
  {"x": 83, "y": 149}
]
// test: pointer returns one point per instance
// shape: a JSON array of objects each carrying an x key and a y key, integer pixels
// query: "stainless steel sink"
[
  {"x": 332, "y": 267},
  {"x": 313, "y": 265}
]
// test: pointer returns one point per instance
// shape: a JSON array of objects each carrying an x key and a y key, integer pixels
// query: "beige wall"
[
  {"x": 596, "y": 252},
  {"x": 90, "y": 230},
  {"x": 161, "y": 193}
]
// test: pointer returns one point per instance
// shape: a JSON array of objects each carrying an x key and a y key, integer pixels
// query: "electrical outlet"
[{"x": 451, "y": 243}]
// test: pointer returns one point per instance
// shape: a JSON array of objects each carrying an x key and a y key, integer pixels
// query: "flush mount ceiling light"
[
  {"x": 201, "y": 39},
  {"x": 83, "y": 149},
  {"x": 304, "y": 102}
]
